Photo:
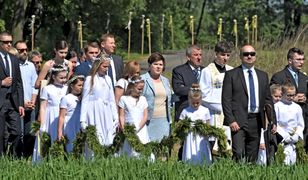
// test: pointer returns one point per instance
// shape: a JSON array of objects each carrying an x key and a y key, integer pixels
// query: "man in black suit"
[
  {"x": 11, "y": 94},
  {"x": 245, "y": 92},
  {"x": 183, "y": 76},
  {"x": 292, "y": 74},
  {"x": 91, "y": 50},
  {"x": 115, "y": 70}
]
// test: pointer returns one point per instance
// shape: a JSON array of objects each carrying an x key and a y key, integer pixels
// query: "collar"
[
  {"x": 220, "y": 68},
  {"x": 3, "y": 54},
  {"x": 193, "y": 68},
  {"x": 26, "y": 62},
  {"x": 292, "y": 71},
  {"x": 246, "y": 68}
]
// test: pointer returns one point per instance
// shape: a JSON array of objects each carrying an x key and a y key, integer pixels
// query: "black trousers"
[
  {"x": 27, "y": 139},
  {"x": 9, "y": 117},
  {"x": 246, "y": 141}
]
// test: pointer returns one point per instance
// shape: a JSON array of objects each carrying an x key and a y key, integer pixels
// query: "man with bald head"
[{"x": 244, "y": 95}]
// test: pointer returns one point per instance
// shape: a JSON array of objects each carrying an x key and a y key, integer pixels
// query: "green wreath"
[
  {"x": 159, "y": 149},
  {"x": 185, "y": 126}
]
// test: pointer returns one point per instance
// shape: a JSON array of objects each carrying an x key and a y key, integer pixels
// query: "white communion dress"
[{"x": 196, "y": 149}]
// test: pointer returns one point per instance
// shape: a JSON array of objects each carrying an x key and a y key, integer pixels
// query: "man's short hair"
[
  {"x": 19, "y": 41},
  {"x": 5, "y": 33},
  {"x": 190, "y": 49},
  {"x": 105, "y": 36},
  {"x": 34, "y": 53},
  {"x": 294, "y": 50},
  {"x": 223, "y": 47},
  {"x": 93, "y": 44}
]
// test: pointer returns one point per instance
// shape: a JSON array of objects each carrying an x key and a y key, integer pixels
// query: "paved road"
[{"x": 172, "y": 60}]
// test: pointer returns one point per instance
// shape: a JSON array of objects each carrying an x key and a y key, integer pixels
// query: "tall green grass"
[{"x": 127, "y": 168}]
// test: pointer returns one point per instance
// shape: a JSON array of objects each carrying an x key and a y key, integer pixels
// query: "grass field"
[{"x": 126, "y": 168}]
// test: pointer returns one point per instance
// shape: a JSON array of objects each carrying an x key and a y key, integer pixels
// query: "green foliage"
[
  {"x": 2, "y": 25},
  {"x": 79, "y": 144},
  {"x": 92, "y": 140},
  {"x": 57, "y": 20},
  {"x": 127, "y": 168},
  {"x": 301, "y": 155},
  {"x": 280, "y": 156},
  {"x": 35, "y": 127},
  {"x": 45, "y": 144},
  {"x": 183, "y": 127},
  {"x": 57, "y": 149}
]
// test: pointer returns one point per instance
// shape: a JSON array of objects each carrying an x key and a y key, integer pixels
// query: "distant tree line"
[{"x": 57, "y": 19}]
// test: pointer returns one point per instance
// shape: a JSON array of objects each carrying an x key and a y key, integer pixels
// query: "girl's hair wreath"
[
  {"x": 195, "y": 89},
  {"x": 58, "y": 68},
  {"x": 74, "y": 78},
  {"x": 135, "y": 81}
]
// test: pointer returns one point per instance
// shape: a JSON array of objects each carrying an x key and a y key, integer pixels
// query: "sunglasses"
[
  {"x": 22, "y": 50},
  {"x": 6, "y": 42},
  {"x": 290, "y": 95},
  {"x": 38, "y": 62},
  {"x": 248, "y": 53},
  {"x": 93, "y": 52}
]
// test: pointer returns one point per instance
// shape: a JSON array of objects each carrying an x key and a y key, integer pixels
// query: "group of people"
[
  {"x": 66, "y": 96},
  {"x": 256, "y": 114}
]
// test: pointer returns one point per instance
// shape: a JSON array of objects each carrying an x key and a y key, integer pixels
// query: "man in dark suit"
[
  {"x": 115, "y": 70},
  {"x": 11, "y": 94},
  {"x": 244, "y": 95},
  {"x": 292, "y": 74},
  {"x": 91, "y": 50},
  {"x": 183, "y": 76}
]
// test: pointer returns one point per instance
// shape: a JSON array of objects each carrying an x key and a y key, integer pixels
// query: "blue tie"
[
  {"x": 296, "y": 79},
  {"x": 7, "y": 65},
  {"x": 252, "y": 91},
  {"x": 110, "y": 73},
  {"x": 196, "y": 73}
]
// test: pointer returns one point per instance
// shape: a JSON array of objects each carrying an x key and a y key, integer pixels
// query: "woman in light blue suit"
[{"x": 157, "y": 91}]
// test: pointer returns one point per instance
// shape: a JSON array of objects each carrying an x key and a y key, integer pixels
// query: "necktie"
[
  {"x": 296, "y": 79},
  {"x": 196, "y": 73},
  {"x": 252, "y": 91},
  {"x": 110, "y": 74},
  {"x": 7, "y": 65}
]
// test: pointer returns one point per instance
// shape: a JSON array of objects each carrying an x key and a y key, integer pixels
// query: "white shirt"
[{"x": 256, "y": 85}]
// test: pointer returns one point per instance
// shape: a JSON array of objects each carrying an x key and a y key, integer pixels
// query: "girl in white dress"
[
  {"x": 196, "y": 149},
  {"x": 49, "y": 107},
  {"x": 131, "y": 69},
  {"x": 133, "y": 110},
  {"x": 98, "y": 107},
  {"x": 69, "y": 118},
  {"x": 290, "y": 122}
]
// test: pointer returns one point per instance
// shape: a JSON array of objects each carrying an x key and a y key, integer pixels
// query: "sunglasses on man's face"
[
  {"x": 22, "y": 50},
  {"x": 248, "y": 53},
  {"x": 6, "y": 42}
]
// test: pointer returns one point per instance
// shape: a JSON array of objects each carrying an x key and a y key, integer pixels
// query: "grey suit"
[{"x": 182, "y": 79}]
